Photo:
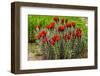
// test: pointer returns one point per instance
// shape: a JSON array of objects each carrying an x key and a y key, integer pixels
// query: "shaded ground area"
[{"x": 34, "y": 52}]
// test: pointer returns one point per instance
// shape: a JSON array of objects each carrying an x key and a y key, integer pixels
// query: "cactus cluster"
[{"x": 60, "y": 39}]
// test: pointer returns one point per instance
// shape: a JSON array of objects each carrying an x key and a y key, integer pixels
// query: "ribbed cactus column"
[{"x": 62, "y": 49}]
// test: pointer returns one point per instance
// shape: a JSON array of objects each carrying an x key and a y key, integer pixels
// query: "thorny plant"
[{"x": 60, "y": 39}]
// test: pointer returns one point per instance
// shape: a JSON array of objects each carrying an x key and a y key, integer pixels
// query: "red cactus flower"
[
  {"x": 78, "y": 32},
  {"x": 37, "y": 27},
  {"x": 73, "y": 24},
  {"x": 42, "y": 33},
  {"x": 56, "y": 19},
  {"x": 48, "y": 26},
  {"x": 44, "y": 40},
  {"x": 62, "y": 21},
  {"x": 52, "y": 42},
  {"x": 56, "y": 38},
  {"x": 68, "y": 36},
  {"x": 52, "y": 24},
  {"x": 61, "y": 28},
  {"x": 65, "y": 37},
  {"x": 68, "y": 25}
]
